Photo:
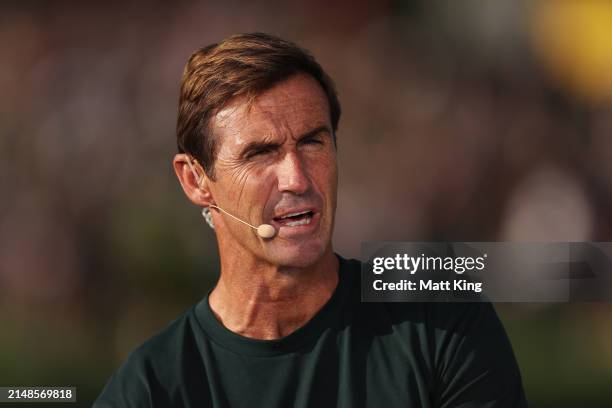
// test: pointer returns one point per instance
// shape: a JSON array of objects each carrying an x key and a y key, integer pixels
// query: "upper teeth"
[{"x": 294, "y": 214}]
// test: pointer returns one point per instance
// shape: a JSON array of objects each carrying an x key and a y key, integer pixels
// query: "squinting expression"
[{"x": 276, "y": 164}]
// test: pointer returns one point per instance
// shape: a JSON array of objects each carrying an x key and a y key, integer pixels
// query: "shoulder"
[
  {"x": 147, "y": 375},
  {"x": 458, "y": 317},
  {"x": 463, "y": 347},
  {"x": 164, "y": 347},
  {"x": 440, "y": 327},
  {"x": 467, "y": 350}
]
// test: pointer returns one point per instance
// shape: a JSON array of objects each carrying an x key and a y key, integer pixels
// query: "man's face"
[{"x": 276, "y": 164}]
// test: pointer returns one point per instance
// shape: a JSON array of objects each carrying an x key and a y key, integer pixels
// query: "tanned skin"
[{"x": 276, "y": 156}]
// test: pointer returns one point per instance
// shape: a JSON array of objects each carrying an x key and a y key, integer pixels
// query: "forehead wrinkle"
[
  {"x": 280, "y": 126},
  {"x": 268, "y": 117},
  {"x": 246, "y": 129},
  {"x": 284, "y": 110},
  {"x": 294, "y": 119},
  {"x": 230, "y": 124}
]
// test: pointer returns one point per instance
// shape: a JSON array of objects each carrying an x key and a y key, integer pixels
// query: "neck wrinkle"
[{"x": 266, "y": 302}]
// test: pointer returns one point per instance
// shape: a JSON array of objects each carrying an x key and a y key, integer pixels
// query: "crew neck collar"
[{"x": 290, "y": 343}]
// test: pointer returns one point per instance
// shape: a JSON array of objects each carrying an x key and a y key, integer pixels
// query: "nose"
[{"x": 292, "y": 177}]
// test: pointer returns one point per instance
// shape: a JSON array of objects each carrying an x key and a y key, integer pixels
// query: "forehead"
[{"x": 289, "y": 108}]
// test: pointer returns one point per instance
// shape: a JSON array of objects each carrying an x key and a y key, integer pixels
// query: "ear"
[{"x": 193, "y": 179}]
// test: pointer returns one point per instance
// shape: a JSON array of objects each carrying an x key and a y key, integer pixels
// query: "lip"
[
  {"x": 290, "y": 231},
  {"x": 294, "y": 211}
]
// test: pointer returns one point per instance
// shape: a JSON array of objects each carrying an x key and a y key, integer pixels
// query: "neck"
[{"x": 264, "y": 301}]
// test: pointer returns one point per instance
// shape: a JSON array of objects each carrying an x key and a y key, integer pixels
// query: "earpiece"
[{"x": 266, "y": 231}]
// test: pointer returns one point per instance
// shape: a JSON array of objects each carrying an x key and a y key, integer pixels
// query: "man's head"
[
  {"x": 242, "y": 65},
  {"x": 260, "y": 116}
]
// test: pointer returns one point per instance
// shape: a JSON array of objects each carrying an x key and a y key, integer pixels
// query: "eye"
[
  {"x": 258, "y": 152},
  {"x": 312, "y": 140}
]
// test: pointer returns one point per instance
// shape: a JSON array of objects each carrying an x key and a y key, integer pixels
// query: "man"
[{"x": 284, "y": 325}]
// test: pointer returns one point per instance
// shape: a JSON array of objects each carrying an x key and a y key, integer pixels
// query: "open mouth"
[{"x": 295, "y": 219}]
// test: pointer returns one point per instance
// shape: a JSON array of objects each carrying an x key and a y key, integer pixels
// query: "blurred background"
[{"x": 462, "y": 120}]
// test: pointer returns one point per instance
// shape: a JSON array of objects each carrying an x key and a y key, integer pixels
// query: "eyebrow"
[{"x": 264, "y": 144}]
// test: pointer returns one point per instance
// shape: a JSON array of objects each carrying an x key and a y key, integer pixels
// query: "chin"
[{"x": 298, "y": 255}]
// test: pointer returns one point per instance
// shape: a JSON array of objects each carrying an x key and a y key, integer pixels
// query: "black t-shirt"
[{"x": 350, "y": 354}]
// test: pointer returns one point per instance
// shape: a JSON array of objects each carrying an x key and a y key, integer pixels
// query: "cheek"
[
  {"x": 249, "y": 186},
  {"x": 231, "y": 185},
  {"x": 324, "y": 176},
  {"x": 325, "y": 171}
]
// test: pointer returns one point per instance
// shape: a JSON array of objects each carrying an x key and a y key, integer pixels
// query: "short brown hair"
[{"x": 244, "y": 64}]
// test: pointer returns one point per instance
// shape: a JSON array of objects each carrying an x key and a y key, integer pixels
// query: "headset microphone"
[{"x": 266, "y": 231}]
